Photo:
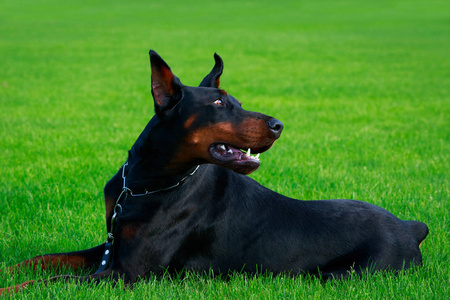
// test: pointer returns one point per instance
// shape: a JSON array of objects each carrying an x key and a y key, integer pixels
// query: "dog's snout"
[{"x": 275, "y": 126}]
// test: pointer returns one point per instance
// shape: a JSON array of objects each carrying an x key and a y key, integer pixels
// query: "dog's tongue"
[
  {"x": 234, "y": 159},
  {"x": 230, "y": 152}
]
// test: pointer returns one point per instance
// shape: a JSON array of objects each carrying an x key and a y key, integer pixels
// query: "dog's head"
[{"x": 208, "y": 124}]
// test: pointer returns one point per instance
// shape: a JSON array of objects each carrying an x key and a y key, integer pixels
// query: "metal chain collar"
[{"x": 106, "y": 259}]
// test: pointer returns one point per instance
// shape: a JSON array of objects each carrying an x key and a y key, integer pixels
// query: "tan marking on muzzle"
[{"x": 251, "y": 133}]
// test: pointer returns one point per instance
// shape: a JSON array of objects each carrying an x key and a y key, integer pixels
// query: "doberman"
[{"x": 182, "y": 202}]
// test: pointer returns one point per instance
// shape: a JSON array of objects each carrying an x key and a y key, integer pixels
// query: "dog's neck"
[{"x": 147, "y": 161}]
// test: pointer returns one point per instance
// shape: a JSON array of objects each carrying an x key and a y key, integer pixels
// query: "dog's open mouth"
[{"x": 239, "y": 160}]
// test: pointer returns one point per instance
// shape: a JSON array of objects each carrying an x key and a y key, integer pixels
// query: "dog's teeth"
[
  {"x": 249, "y": 152},
  {"x": 257, "y": 156},
  {"x": 230, "y": 151},
  {"x": 222, "y": 146}
]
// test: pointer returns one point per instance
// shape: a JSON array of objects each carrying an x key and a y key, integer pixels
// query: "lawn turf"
[{"x": 361, "y": 86}]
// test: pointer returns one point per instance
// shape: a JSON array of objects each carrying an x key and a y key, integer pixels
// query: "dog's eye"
[{"x": 219, "y": 102}]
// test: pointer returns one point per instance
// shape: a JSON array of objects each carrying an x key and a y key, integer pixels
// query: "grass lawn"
[{"x": 362, "y": 88}]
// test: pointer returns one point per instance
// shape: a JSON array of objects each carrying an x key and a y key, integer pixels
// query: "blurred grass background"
[{"x": 361, "y": 86}]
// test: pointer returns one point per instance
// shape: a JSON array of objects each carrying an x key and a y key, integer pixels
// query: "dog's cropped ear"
[
  {"x": 166, "y": 87},
  {"x": 213, "y": 78}
]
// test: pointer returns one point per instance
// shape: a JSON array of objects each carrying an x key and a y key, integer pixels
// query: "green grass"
[{"x": 361, "y": 86}]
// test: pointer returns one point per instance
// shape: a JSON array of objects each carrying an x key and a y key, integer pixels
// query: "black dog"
[{"x": 182, "y": 202}]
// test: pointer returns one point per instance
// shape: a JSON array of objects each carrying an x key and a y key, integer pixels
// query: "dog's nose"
[{"x": 275, "y": 126}]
